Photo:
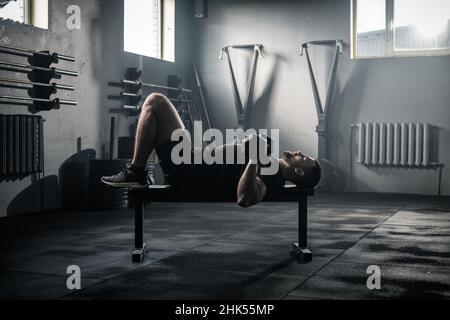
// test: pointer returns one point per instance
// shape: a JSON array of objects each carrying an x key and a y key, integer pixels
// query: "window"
[
  {"x": 34, "y": 12},
  {"x": 383, "y": 28},
  {"x": 15, "y": 11},
  {"x": 149, "y": 28}
]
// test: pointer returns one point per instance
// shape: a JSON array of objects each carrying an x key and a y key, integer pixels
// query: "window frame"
[
  {"x": 160, "y": 27},
  {"x": 390, "y": 51},
  {"x": 30, "y": 10},
  {"x": 167, "y": 38},
  {"x": 25, "y": 12}
]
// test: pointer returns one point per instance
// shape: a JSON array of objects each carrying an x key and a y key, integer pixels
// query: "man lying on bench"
[{"x": 159, "y": 119}]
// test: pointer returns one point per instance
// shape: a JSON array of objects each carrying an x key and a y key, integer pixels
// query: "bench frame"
[{"x": 165, "y": 193}]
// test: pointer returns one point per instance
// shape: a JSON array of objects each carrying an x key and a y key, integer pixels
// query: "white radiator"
[{"x": 394, "y": 144}]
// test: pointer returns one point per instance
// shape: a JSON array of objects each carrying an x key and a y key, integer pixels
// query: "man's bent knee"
[
  {"x": 154, "y": 99},
  {"x": 166, "y": 114}
]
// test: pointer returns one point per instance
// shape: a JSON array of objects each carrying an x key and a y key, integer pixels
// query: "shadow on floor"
[{"x": 37, "y": 197}]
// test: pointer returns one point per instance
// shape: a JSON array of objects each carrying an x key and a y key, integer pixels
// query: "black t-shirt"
[{"x": 213, "y": 177}]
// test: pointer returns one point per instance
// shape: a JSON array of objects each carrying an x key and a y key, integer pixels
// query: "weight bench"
[{"x": 166, "y": 193}]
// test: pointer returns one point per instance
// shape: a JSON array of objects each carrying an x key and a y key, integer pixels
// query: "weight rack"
[
  {"x": 40, "y": 72},
  {"x": 21, "y": 135}
]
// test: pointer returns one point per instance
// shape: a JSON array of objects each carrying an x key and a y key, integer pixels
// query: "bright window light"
[
  {"x": 422, "y": 24},
  {"x": 384, "y": 28},
  {"x": 142, "y": 27},
  {"x": 370, "y": 26},
  {"x": 14, "y": 10}
]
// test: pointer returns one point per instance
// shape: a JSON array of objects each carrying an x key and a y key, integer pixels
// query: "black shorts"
[
  {"x": 197, "y": 176},
  {"x": 207, "y": 177},
  {"x": 174, "y": 174}
]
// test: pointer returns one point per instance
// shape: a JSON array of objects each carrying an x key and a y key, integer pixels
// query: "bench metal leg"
[
  {"x": 301, "y": 250},
  {"x": 139, "y": 245}
]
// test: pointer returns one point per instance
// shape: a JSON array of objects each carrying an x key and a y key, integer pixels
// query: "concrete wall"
[
  {"x": 98, "y": 48},
  {"x": 391, "y": 89}
]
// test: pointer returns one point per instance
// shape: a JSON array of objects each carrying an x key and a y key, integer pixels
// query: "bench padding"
[{"x": 166, "y": 193}]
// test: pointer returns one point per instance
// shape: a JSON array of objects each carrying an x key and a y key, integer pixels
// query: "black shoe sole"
[{"x": 130, "y": 185}]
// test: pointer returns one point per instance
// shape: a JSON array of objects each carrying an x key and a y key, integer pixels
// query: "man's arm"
[{"x": 251, "y": 189}]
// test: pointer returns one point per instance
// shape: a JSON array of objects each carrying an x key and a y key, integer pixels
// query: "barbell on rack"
[
  {"x": 28, "y": 53},
  {"x": 155, "y": 86},
  {"x": 138, "y": 96},
  {"x": 52, "y": 70},
  {"x": 11, "y": 83},
  {"x": 56, "y": 101}
]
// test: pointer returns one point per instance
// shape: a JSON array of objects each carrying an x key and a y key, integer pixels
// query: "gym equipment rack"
[{"x": 40, "y": 72}]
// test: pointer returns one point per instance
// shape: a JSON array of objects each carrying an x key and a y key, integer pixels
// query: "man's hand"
[{"x": 254, "y": 145}]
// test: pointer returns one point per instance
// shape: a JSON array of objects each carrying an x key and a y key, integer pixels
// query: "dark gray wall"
[
  {"x": 98, "y": 47},
  {"x": 381, "y": 90}
]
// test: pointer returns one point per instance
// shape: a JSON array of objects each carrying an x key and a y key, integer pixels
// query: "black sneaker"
[{"x": 128, "y": 178}]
